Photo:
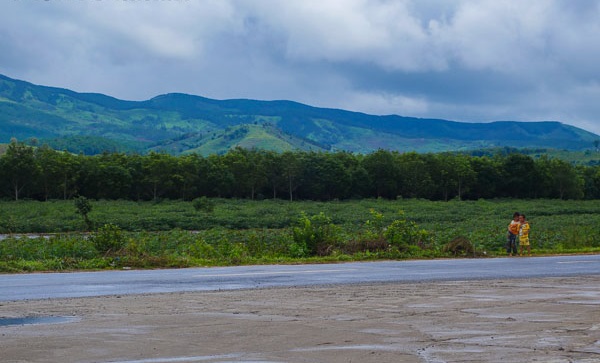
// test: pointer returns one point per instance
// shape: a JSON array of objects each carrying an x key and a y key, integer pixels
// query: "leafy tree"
[
  {"x": 292, "y": 171},
  {"x": 247, "y": 169},
  {"x": 520, "y": 176},
  {"x": 566, "y": 181},
  {"x": 488, "y": 177},
  {"x": 187, "y": 177},
  {"x": 218, "y": 179},
  {"x": 415, "y": 176},
  {"x": 115, "y": 181},
  {"x": 68, "y": 166},
  {"x": 384, "y": 173},
  {"x": 50, "y": 170},
  {"x": 274, "y": 172},
  {"x": 361, "y": 181},
  {"x": 105, "y": 176},
  {"x": 20, "y": 166},
  {"x": 158, "y": 174},
  {"x": 348, "y": 175},
  {"x": 461, "y": 173},
  {"x": 452, "y": 174},
  {"x": 111, "y": 177},
  {"x": 135, "y": 168},
  {"x": 325, "y": 177},
  {"x": 591, "y": 181},
  {"x": 258, "y": 172},
  {"x": 84, "y": 207}
]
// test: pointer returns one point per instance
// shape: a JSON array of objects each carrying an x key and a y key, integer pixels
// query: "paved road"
[{"x": 82, "y": 284}]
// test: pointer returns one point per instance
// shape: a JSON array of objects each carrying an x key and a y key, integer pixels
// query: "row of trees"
[{"x": 43, "y": 173}]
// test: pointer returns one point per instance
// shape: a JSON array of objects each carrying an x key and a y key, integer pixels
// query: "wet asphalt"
[{"x": 122, "y": 282}]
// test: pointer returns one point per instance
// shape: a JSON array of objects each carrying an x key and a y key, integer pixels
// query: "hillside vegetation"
[{"x": 180, "y": 123}]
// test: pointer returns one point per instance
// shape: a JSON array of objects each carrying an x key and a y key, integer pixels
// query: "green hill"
[{"x": 181, "y": 123}]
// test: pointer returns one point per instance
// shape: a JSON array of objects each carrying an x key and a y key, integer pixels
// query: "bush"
[
  {"x": 84, "y": 207},
  {"x": 314, "y": 236},
  {"x": 203, "y": 204},
  {"x": 459, "y": 246},
  {"x": 108, "y": 239}
]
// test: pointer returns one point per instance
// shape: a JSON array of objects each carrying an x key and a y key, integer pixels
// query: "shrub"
[
  {"x": 203, "y": 204},
  {"x": 402, "y": 234},
  {"x": 314, "y": 236},
  {"x": 108, "y": 239},
  {"x": 459, "y": 246},
  {"x": 84, "y": 207}
]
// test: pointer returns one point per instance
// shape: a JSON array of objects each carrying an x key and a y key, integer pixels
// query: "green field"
[{"x": 175, "y": 234}]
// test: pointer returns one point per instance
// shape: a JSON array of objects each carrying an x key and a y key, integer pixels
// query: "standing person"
[
  {"x": 513, "y": 231},
  {"x": 524, "y": 235}
]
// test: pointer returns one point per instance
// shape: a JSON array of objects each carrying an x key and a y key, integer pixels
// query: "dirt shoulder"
[{"x": 521, "y": 320}]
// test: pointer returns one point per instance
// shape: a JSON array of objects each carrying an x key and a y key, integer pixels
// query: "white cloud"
[
  {"x": 462, "y": 60},
  {"x": 496, "y": 35},
  {"x": 385, "y": 33}
]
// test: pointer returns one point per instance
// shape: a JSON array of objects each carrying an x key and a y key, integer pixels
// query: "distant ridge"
[{"x": 180, "y": 123}]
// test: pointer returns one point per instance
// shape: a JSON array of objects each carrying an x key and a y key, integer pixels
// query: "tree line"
[{"x": 43, "y": 173}]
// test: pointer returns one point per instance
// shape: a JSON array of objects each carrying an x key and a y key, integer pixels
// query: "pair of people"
[{"x": 518, "y": 227}]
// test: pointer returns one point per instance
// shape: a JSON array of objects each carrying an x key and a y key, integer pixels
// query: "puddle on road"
[{"x": 35, "y": 320}]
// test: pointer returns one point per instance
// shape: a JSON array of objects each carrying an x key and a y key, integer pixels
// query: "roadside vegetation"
[
  {"x": 60, "y": 211},
  {"x": 81, "y": 234}
]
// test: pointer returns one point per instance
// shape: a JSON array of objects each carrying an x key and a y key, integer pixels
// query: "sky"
[{"x": 462, "y": 60}]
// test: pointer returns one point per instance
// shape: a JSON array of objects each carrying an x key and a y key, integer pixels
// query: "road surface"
[
  {"x": 541, "y": 309},
  {"x": 86, "y": 284}
]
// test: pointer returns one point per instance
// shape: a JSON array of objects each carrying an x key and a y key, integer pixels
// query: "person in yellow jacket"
[{"x": 524, "y": 235}]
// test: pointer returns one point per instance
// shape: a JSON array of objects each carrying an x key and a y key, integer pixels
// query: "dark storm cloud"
[
  {"x": 462, "y": 60},
  {"x": 449, "y": 85}
]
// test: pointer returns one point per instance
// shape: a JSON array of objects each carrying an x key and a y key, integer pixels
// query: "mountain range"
[{"x": 181, "y": 123}]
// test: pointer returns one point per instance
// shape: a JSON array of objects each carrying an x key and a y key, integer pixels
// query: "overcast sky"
[{"x": 471, "y": 60}]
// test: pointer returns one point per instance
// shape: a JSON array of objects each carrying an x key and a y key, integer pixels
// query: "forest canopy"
[{"x": 42, "y": 173}]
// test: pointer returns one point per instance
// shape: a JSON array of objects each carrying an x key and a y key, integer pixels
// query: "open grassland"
[{"x": 175, "y": 234}]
